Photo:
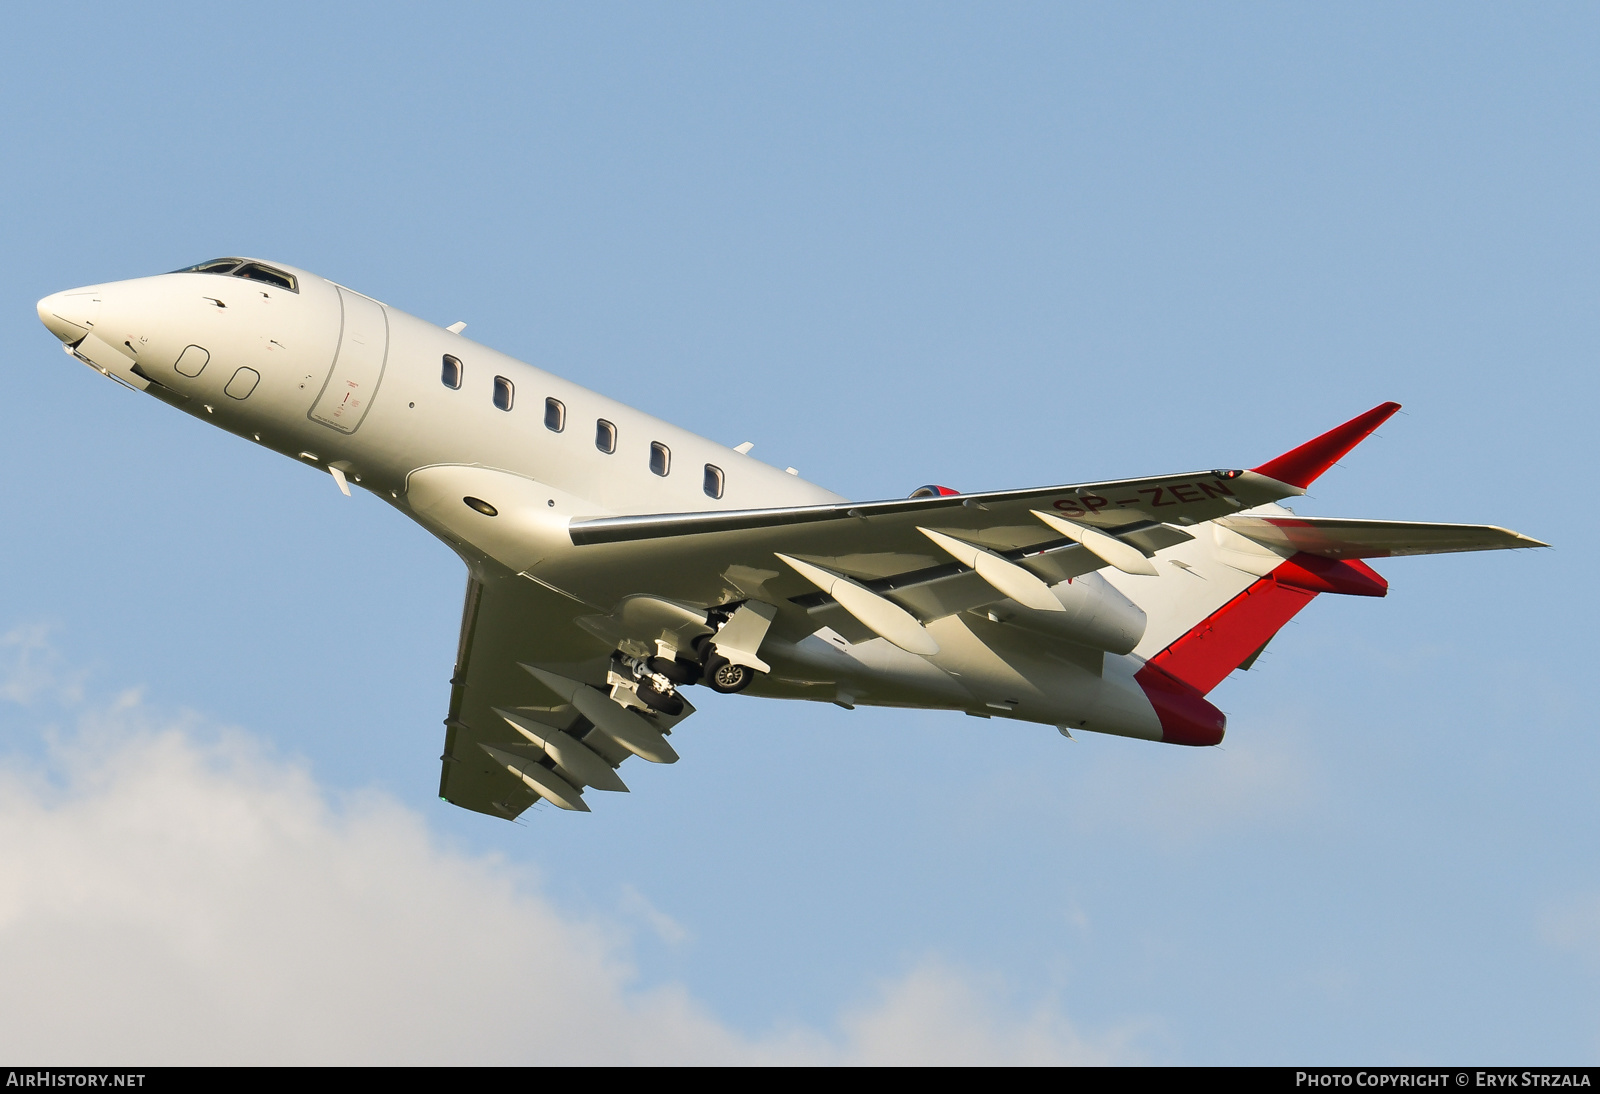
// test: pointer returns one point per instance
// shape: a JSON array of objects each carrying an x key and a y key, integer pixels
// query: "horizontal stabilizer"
[
  {"x": 1325, "y": 575},
  {"x": 1336, "y": 537},
  {"x": 1302, "y": 466}
]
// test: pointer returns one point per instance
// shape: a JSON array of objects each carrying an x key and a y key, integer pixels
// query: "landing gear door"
[{"x": 357, "y": 364}]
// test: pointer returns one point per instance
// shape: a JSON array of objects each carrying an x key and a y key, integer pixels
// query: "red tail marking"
[
  {"x": 1301, "y": 466},
  {"x": 1203, "y": 656},
  {"x": 1317, "y": 574},
  {"x": 1218, "y": 644}
]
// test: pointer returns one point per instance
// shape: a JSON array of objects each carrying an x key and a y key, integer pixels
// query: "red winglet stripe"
[
  {"x": 1204, "y": 655},
  {"x": 1301, "y": 466}
]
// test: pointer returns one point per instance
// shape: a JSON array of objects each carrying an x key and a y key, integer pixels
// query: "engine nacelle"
[{"x": 1096, "y": 615}]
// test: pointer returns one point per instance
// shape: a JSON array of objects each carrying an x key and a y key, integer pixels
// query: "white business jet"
[{"x": 615, "y": 560}]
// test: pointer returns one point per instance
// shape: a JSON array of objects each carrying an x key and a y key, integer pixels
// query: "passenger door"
[{"x": 357, "y": 363}]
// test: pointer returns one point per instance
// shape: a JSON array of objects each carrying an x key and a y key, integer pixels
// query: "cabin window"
[
  {"x": 555, "y": 415},
  {"x": 605, "y": 436},
  {"x": 660, "y": 458},
  {"x": 502, "y": 393},
  {"x": 714, "y": 481},
  {"x": 452, "y": 372}
]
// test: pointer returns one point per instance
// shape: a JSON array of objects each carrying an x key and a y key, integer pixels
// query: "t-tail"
[{"x": 1219, "y": 598}]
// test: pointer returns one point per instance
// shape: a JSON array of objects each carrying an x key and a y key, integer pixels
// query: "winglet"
[{"x": 1301, "y": 466}]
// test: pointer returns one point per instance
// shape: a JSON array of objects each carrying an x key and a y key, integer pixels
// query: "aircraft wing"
[
  {"x": 719, "y": 557},
  {"x": 1006, "y": 519},
  {"x": 1003, "y": 517},
  {"x": 531, "y": 701},
  {"x": 538, "y": 708},
  {"x": 930, "y": 556},
  {"x": 1335, "y": 537},
  {"x": 512, "y": 736}
]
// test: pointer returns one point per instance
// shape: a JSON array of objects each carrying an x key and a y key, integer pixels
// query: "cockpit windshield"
[
  {"x": 216, "y": 265},
  {"x": 253, "y": 271}
]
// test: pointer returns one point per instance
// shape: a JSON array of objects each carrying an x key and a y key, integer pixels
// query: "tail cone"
[{"x": 1186, "y": 717}]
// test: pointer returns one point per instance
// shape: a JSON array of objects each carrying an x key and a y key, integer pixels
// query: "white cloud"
[
  {"x": 936, "y": 1015},
  {"x": 166, "y": 899},
  {"x": 662, "y": 925},
  {"x": 32, "y": 669},
  {"x": 1182, "y": 797},
  {"x": 1574, "y": 926}
]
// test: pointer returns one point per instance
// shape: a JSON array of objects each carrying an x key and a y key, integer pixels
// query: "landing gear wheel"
[
  {"x": 670, "y": 705},
  {"x": 724, "y": 676},
  {"x": 678, "y": 671}
]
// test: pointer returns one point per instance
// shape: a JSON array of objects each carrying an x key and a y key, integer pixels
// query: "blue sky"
[{"x": 893, "y": 244}]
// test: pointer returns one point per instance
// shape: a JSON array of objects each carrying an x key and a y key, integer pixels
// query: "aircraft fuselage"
[{"x": 383, "y": 400}]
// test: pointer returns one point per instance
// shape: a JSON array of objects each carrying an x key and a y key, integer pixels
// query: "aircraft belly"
[
  {"x": 874, "y": 673},
  {"x": 998, "y": 673},
  {"x": 1120, "y": 706}
]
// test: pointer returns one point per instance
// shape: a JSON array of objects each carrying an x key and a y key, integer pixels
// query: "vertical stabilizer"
[{"x": 1302, "y": 466}]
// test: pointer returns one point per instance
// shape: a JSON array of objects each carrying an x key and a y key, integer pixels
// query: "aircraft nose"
[{"x": 70, "y": 315}]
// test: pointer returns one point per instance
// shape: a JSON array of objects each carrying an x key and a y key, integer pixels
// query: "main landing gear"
[
  {"x": 724, "y": 676},
  {"x": 656, "y": 680}
]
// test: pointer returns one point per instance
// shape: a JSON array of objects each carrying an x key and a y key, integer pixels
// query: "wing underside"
[
  {"x": 538, "y": 709},
  {"x": 512, "y": 737}
]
